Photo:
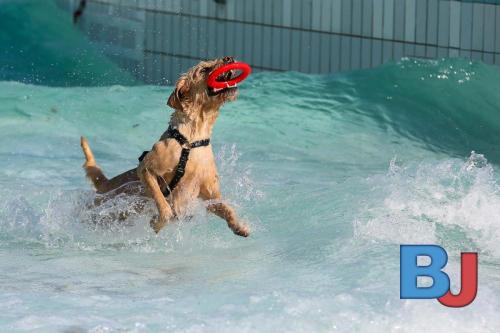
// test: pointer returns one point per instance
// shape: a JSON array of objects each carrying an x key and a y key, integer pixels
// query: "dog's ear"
[{"x": 178, "y": 95}]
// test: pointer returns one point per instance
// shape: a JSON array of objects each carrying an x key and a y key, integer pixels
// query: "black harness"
[{"x": 186, "y": 149}]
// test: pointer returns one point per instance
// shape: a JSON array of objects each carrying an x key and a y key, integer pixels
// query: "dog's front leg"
[
  {"x": 164, "y": 210},
  {"x": 226, "y": 212},
  {"x": 223, "y": 210}
]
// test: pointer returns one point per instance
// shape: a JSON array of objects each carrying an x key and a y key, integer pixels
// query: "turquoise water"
[
  {"x": 333, "y": 173},
  {"x": 40, "y": 45}
]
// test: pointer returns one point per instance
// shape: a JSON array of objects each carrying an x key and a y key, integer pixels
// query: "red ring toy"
[{"x": 212, "y": 78}]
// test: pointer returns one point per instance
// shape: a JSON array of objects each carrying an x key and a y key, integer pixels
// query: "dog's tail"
[{"x": 94, "y": 173}]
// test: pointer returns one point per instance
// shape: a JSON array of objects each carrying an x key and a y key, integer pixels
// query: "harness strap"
[
  {"x": 181, "y": 166},
  {"x": 179, "y": 172}
]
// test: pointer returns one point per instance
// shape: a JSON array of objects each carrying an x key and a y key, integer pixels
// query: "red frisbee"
[{"x": 212, "y": 81}]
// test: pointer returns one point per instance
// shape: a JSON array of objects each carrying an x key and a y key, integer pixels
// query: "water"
[
  {"x": 40, "y": 45},
  {"x": 333, "y": 173}
]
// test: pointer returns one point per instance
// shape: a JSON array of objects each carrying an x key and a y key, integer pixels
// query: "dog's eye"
[{"x": 205, "y": 70}]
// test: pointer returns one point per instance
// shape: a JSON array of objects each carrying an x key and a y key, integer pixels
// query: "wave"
[
  {"x": 448, "y": 202},
  {"x": 331, "y": 171},
  {"x": 40, "y": 45},
  {"x": 447, "y": 106}
]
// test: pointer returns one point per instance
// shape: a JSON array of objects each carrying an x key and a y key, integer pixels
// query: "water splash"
[
  {"x": 452, "y": 202},
  {"x": 303, "y": 158}
]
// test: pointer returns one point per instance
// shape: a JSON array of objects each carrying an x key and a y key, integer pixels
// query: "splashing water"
[{"x": 331, "y": 175}]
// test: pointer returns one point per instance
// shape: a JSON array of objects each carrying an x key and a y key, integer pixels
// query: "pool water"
[{"x": 333, "y": 173}]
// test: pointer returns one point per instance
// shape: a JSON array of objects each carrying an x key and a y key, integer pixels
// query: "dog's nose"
[{"x": 228, "y": 60}]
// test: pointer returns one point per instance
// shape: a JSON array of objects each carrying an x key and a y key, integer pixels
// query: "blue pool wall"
[{"x": 158, "y": 39}]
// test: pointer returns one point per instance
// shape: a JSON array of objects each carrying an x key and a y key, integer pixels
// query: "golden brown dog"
[{"x": 196, "y": 109}]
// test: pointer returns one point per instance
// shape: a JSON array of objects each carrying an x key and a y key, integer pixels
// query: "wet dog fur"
[{"x": 196, "y": 110}]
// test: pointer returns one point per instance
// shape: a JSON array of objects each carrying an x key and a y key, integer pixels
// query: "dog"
[{"x": 181, "y": 166}]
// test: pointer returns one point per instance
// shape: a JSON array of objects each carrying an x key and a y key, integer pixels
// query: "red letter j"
[{"x": 468, "y": 290}]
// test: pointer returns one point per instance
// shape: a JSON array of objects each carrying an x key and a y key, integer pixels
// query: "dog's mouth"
[{"x": 229, "y": 91}]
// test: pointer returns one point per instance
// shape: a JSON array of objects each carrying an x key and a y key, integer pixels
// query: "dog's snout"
[{"x": 228, "y": 60}]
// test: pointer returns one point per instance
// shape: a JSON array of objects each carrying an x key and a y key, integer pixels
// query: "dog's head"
[{"x": 191, "y": 93}]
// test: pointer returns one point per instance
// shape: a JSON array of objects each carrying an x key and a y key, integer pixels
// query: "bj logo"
[{"x": 410, "y": 271}]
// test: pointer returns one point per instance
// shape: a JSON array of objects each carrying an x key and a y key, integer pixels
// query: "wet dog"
[{"x": 181, "y": 166}]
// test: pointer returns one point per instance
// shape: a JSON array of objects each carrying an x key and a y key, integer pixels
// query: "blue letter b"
[{"x": 409, "y": 271}]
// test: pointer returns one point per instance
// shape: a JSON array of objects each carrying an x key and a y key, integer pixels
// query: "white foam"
[{"x": 449, "y": 201}]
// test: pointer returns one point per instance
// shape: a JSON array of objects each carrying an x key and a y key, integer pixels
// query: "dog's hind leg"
[{"x": 94, "y": 173}]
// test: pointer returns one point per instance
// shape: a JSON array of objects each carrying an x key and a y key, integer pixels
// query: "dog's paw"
[
  {"x": 242, "y": 230},
  {"x": 158, "y": 222}
]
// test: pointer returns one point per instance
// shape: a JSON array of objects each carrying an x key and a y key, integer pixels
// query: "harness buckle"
[{"x": 181, "y": 166}]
